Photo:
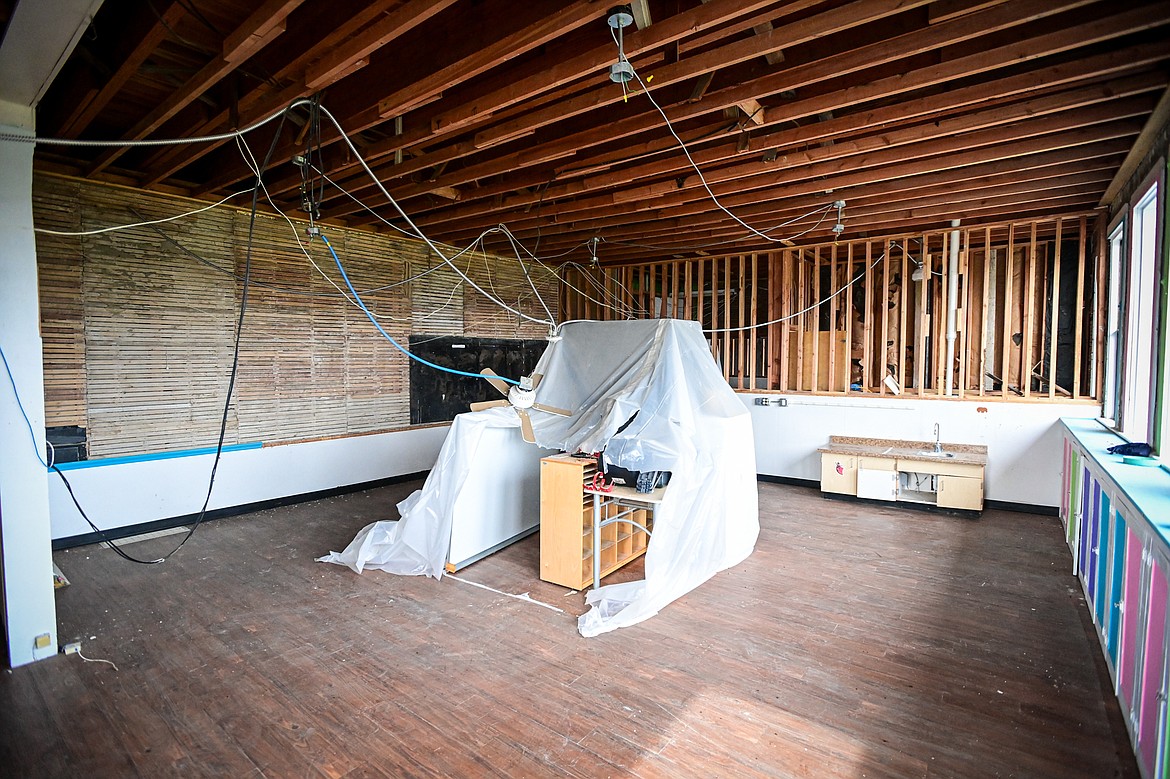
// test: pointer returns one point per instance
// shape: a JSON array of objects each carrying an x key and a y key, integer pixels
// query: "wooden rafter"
[
  {"x": 264, "y": 24},
  {"x": 473, "y": 113}
]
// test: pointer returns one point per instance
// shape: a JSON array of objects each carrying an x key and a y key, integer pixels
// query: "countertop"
[
  {"x": 898, "y": 449},
  {"x": 1146, "y": 488}
]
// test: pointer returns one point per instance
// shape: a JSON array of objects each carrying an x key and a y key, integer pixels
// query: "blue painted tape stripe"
[{"x": 141, "y": 458}]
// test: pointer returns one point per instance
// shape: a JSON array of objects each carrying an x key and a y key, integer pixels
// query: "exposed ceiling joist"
[{"x": 479, "y": 112}]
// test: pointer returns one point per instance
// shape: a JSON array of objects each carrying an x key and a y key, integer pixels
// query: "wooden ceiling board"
[{"x": 474, "y": 113}]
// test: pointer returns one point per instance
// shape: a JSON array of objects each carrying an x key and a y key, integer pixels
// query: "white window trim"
[
  {"x": 1137, "y": 393},
  {"x": 1115, "y": 263}
]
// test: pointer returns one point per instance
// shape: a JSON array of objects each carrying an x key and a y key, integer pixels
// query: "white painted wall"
[
  {"x": 29, "y": 609},
  {"x": 132, "y": 493},
  {"x": 1023, "y": 440},
  {"x": 500, "y": 497}
]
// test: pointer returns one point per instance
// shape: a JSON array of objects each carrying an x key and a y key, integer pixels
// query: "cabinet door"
[
  {"x": 877, "y": 485},
  {"x": 1116, "y": 584},
  {"x": 1105, "y": 546},
  {"x": 875, "y": 464},
  {"x": 1153, "y": 678},
  {"x": 1073, "y": 476},
  {"x": 838, "y": 474},
  {"x": 1065, "y": 474},
  {"x": 960, "y": 492},
  {"x": 1131, "y": 603},
  {"x": 1093, "y": 532},
  {"x": 1082, "y": 520}
]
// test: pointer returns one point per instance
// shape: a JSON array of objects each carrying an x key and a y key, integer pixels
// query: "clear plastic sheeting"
[
  {"x": 418, "y": 543},
  {"x": 686, "y": 420},
  {"x": 656, "y": 382}
]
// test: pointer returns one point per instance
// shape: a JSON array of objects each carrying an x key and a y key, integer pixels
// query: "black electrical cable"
[
  {"x": 231, "y": 381},
  {"x": 101, "y": 533}
]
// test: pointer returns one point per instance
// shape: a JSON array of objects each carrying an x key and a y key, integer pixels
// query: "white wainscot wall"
[
  {"x": 1022, "y": 438},
  {"x": 117, "y": 495}
]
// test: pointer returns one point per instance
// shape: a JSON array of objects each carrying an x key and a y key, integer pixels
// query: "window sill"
[{"x": 1145, "y": 488}]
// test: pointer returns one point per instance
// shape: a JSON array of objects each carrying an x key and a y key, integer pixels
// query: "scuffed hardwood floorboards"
[{"x": 857, "y": 641}]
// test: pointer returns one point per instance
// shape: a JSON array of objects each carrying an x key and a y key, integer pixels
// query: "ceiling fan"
[{"x": 521, "y": 398}]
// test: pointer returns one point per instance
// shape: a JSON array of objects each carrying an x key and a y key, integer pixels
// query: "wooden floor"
[{"x": 857, "y": 641}]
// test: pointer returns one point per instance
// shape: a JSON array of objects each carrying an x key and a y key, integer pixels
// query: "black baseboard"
[
  {"x": 792, "y": 482},
  {"x": 1001, "y": 505},
  {"x": 1025, "y": 508},
  {"x": 906, "y": 505},
  {"x": 231, "y": 511}
]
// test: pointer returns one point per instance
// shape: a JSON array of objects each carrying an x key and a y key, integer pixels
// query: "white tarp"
[
  {"x": 418, "y": 543},
  {"x": 686, "y": 420}
]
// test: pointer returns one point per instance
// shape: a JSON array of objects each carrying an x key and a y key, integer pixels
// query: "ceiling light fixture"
[
  {"x": 840, "y": 226},
  {"x": 621, "y": 17}
]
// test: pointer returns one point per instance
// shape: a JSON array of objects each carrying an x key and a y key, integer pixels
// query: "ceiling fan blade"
[
  {"x": 481, "y": 405},
  {"x": 495, "y": 381},
  {"x": 552, "y": 409},
  {"x": 526, "y": 426},
  {"x": 535, "y": 379}
]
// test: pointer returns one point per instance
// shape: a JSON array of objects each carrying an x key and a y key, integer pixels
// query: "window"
[
  {"x": 1141, "y": 313},
  {"x": 1112, "y": 377}
]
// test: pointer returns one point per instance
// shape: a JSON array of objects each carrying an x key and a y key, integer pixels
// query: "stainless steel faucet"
[{"x": 937, "y": 440}]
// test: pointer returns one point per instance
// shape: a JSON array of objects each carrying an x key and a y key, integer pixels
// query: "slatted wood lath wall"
[
  {"x": 139, "y": 324},
  {"x": 158, "y": 325},
  {"x": 311, "y": 364},
  {"x": 438, "y": 299},
  {"x": 505, "y": 279},
  {"x": 62, "y": 308},
  {"x": 377, "y": 379},
  {"x": 870, "y": 315}
]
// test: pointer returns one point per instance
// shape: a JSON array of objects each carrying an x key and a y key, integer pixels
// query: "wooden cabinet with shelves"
[
  {"x": 1112, "y": 514},
  {"x": 907, "y": 471},
  {"x": 566, "y": 525}
]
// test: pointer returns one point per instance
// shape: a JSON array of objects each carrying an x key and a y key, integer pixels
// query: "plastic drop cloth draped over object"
[{"x": 685, "y": 419}]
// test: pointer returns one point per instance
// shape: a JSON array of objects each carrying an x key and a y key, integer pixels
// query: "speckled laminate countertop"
[{"x": 895, "y": 449}]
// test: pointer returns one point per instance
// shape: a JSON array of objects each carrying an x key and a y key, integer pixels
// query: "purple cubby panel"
[{"x": 1094, "y": 531}]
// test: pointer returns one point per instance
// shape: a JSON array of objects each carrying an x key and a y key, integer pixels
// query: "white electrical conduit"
[{"x": 952, "y": 304}]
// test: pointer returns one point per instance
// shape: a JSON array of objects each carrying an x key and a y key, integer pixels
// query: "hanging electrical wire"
[
  {"x": 104, "y": 535},
  {"x": 386, "y": 335},
  {"x": 250, "y": 161},
  {"x": 147, "y": 223},
  {"x": 406, "y": 217},
  {"x": 818, "y": 304},
  {"x": 824, "y": 211},
  {"x": 627, "y": 66},
  {"x": 515, "y": 242},
  {"x": 502, "y": 228},
  {"x": 148, "y": 142},
  {"x": 23, "y": 413}
]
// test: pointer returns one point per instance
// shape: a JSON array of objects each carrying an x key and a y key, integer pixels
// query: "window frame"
[
  {"x": 1161, "y": 414},
  {"x": 1116, "y": 262},
  {"x": 1139, "y": 367}
]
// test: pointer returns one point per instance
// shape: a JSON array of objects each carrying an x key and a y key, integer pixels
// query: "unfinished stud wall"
[
  {"x": 139, "y": 324},
  {"x": 844, "y": 317}
]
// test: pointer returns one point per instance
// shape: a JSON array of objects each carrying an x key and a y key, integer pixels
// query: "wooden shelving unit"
[{"x": 566, "y": 525}]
